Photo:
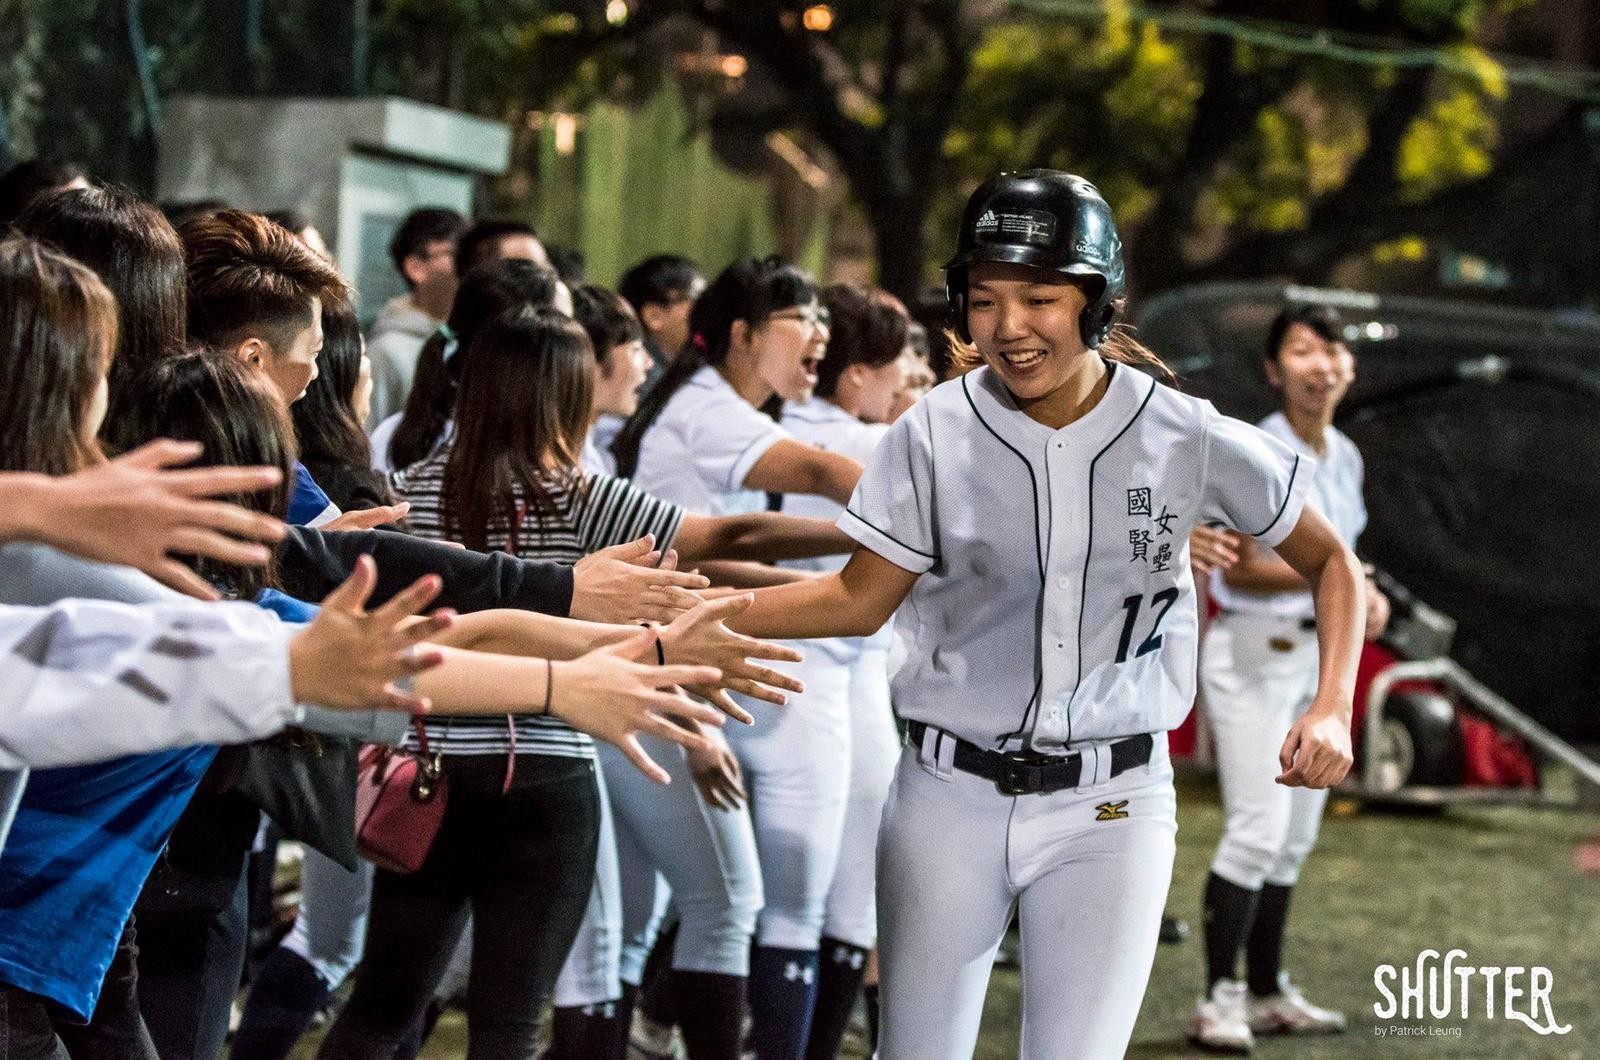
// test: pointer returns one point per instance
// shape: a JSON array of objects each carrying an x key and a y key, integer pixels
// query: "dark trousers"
[
  {"x": 522, "y": 863},
  {"x": 190, "y": 961},
  {"x": 33, "y": 1028}
]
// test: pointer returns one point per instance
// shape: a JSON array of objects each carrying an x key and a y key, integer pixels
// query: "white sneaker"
[
  {"x": 1288, "y": 1012},
  {"x": 1219, "y": 1021}
]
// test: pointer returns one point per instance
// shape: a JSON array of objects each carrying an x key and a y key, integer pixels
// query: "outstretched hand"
[
  {"x": 140, "y": 508},
  {"x": 355, "y": 659},
  {"x": 369, "y": 518},
  {"x": 632, "y": 583},
  {"x": 701, "y": 635},
  {"x": 613, "y": 695}
]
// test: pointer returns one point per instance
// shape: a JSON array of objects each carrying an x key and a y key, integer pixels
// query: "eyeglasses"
[{"x": 813, "y": 318}]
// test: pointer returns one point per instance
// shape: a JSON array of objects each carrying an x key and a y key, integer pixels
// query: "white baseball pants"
[
  {"x": 1258, "y": 674},
  {"x": 590, "y": 975},
  {"x": 851, "y": 914},
  {"x": 955, "y": 857},
  {"x": 796, "y": 764},
  {"x": 669, "y": 839}
]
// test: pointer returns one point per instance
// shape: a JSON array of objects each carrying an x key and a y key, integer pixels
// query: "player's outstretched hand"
[
  {"x": 613, "y": 695},
  {"x": 139, "y": 508},
  {"x": 630, "y": 584},
  {"x": 355, "y": 659},
  {"x": 369, "y": 518},
  {"x": 1211, "y": 549},
  {"x": 1316, "y": 753},
  {"x": 702, "y": 636},
  {"x": 717, "y": 774}
]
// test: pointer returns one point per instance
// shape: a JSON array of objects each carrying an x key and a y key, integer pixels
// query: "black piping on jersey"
[
  {"x": 1038, "y": 553},
  {"x": 1088, "y": 554},
  {"x": 891, "y": 537},
  {"x": 1294, "y": 469}
]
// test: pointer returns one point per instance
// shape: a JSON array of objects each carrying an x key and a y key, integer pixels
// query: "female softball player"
[
  {"x": 858, "y": 385},
  {"x": 757, "y": 336},
  {"x": 1033, "y": 516},
  {"x": 1258, "y": 672}
]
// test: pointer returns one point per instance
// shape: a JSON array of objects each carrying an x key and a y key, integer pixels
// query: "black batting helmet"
[{"x": 1047, "y": 219}]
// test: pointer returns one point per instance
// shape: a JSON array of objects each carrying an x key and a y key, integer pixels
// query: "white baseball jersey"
[
  {"x": 1336, "y": 493},
  {"x": 702, "y": 445},
  {"x": 1055, "y": 605},
  {"x": 821, "y": 423}
]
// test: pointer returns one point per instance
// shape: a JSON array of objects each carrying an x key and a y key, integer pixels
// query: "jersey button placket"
[{"x": 1066, "y": 528}]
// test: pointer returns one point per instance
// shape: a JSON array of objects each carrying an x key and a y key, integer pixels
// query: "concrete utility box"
[{"x": 356, "y": 167}]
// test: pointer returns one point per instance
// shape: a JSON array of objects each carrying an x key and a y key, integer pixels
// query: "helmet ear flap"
[
  {"x": 1095, "y": 322},
  {"x": 955, "y": 293}
]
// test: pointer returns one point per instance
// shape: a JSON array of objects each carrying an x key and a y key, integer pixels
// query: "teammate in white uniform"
[
  {"x": 1033, "y": 516},
  {"x": 699, "y": 440},
  {"x": 1258, "y": 672},
  {"x": 858, "y": 384}
]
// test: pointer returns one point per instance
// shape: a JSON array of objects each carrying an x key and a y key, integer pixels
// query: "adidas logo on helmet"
[{"x": 988, "y": 222}]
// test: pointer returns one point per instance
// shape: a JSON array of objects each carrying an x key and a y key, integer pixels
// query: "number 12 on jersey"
[{"x": 1132, "y": 605}]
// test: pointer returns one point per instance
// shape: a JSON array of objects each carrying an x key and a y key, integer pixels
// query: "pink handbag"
[{"x": 400, "y": 802}]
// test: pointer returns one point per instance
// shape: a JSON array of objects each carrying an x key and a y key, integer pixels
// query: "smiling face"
[
  {"x": 1311, "y": 374},
  {"x": 788, "y": 346},
  {"x": 1024, "y": 323}
]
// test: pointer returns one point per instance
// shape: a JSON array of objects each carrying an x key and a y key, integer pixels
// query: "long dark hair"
[
  {"x": 136, "y": 253},
  {"x": 486, "y": 292},
  {"x": 234, "y": 413},
  {"x": 865, "y": 329},
  {"x": 526, "y": 390},
  {"x": 750, "y": 290},
  {"x": 58, "y": 334},
  {"x": 325, "y": 421}
]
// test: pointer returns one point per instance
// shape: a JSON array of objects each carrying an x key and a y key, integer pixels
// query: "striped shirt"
[{"x": 590, "y": 513}]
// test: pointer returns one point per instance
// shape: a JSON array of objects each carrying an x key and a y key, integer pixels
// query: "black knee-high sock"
[
  {"x": 1263, "y": 955},
  {"x": 592, "y": 1032},
  {"x": 839, "y": 974},
  {"x": 712, "y": 1017},
  {"x": 1229, "y": 909},
  {"x": 285, "y": 996},
  {"x": 783, "y": 991},
  {"x": 869, "y": 996},
  {"x": 657, "y": 999}
]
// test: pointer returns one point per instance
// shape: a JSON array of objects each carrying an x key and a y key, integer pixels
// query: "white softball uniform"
[
  {"x": 1258, "y": 674},
  {"x": 1055, "y": 612},
  {"x": 849, "y": 840},
  {"x": 696, "y": 454}
]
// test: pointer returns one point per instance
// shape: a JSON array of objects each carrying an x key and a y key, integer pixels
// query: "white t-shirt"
[
  {"x": 700, "y": 448},
  {"x": 821, "y": 423},
  {"x": 1336, "y": 493},
  {"x": 383, "y": 434},
  {"x": 1055, "y": 601}
]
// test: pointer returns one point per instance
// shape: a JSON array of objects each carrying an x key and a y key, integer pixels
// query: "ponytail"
[
  {"x": 486, "y": 292},
  {"x": 750, "y": 290}
]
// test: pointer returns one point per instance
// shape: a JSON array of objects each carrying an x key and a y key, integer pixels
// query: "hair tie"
[{"x": 698, "y": 341}]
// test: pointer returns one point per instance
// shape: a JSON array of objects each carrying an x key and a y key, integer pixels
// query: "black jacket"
[{"x": 313, "y": 563}]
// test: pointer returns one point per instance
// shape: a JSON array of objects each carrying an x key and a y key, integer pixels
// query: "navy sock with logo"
[
  {"x": 840, "y": 969},
  {"x": 783, "y": 989}
]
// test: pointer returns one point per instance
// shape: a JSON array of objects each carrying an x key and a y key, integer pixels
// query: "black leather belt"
[{"x": 1032, "y": 773}]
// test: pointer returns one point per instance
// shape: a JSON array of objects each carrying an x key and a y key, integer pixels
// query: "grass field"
[{"x": 1498, "y": 883}]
